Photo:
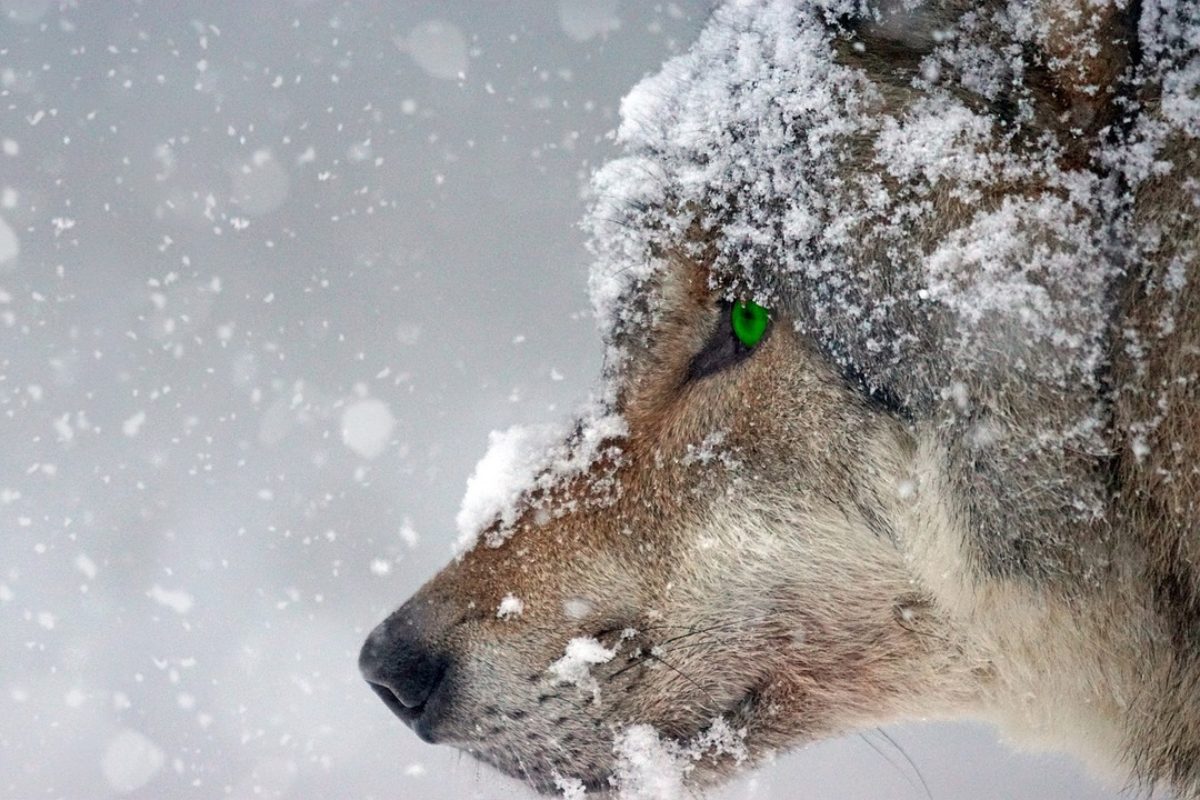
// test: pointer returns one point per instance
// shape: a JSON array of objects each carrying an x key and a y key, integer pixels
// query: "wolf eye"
[
  {"x": 749, "y": 321},
  {"x": 740, "y": 327}
]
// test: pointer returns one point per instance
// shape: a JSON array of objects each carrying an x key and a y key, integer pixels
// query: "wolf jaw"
[{"x": 957, "y": 478}]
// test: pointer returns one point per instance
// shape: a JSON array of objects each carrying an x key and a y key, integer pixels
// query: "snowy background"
[{"x": 269, "y": 273}]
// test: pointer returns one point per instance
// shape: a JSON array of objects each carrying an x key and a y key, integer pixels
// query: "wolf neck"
[{"x": 1064, "y": 661}]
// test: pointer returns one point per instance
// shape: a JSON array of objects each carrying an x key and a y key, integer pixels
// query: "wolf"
[{"x": 899, "y": 416}]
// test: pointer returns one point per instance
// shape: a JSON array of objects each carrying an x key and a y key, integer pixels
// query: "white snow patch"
[
  {"x": 439, "y": 48},
  {"x": 408, "y": 534},
  {"x": 525, "y": 458},
  {"x": 722, "y": 740},
  {"x": 575, "y": 667},
  {"x": 367, "y": 426},
  {"x": 62, "y": 426},
  {"x": 711, "y": 449},
  {"x": 652, "y": 768},
  {"x": 130, "y": 761},
  {"x": 1181, "y": 97},
  {"x": 648, "y": 767},
  {"x": 512, "y": 461},
  {"x": 571, "y": 788},
  {"x": 510, "y": 606},
  {"x": 177, "y": 600}
]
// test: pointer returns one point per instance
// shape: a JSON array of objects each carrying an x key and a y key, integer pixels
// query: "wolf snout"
[{"x": 407, "y": 673}]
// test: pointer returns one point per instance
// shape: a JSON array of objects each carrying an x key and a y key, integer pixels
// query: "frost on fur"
[{"x": 650, "y": 767}]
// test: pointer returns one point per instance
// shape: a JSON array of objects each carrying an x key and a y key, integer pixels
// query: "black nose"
[{"x": 405, "y": 673}]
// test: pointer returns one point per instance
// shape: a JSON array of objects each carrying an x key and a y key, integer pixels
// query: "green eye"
[{"x": 749, "y": 321}]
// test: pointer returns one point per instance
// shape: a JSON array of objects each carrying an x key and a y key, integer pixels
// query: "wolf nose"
[{"x": 405, "y": 673}]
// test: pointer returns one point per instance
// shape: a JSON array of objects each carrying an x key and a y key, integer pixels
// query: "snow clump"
[
  {"x": 510, "y": 606},
  {"x": 650, "y": 767},
  {"x": 575, "y": 667},
  {"x": 529, "y": 459}
]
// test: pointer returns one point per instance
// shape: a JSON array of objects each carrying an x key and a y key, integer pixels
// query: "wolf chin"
[{"x": 957, "y": 477}]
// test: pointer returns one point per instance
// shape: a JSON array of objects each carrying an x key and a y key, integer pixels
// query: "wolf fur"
[{"x": 960, "y": 476}]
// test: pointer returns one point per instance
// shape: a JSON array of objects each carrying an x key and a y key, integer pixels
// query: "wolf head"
[
  {"x": 889, "y": 502},
  {"x": 722, "y": 562}
]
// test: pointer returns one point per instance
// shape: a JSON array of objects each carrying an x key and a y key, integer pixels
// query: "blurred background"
[{"x": 269, "y": 273}]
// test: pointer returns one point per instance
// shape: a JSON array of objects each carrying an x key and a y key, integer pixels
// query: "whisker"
[
  {"x": 891, "y": 762},
  {"x": 714, "y": 642},
  {"x": 912, "y": 764},
  {"x": 637, "y": 662},
  {"x": 698, "y": 631},
  {"x": 683, "y": 675}
]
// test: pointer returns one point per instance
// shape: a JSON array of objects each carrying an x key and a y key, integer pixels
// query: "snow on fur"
[
  {"x": 575, "y": 666},
  {"x": 526, "y": 459},
  {"x": 650, "y": 767},
  {"x": 510, "y": 606}
]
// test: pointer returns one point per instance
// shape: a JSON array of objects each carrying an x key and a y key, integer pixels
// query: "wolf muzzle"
[{"x": 407, "y": 671}]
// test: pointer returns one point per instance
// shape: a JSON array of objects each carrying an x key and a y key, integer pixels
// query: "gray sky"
[{"x": 269, "y": 273}]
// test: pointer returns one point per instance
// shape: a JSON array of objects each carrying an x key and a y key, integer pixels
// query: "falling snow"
[
  {"x": 10, "y": 246},
  {"x": 367, "y": 427},
  {"x": 439, "y": 48},
  {"x": 130, "y": 761},
  {"x": 177, "y": 600}
]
